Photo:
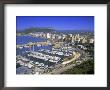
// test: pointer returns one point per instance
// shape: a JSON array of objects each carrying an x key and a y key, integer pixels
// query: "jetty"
[{"x": 30, "y": 44}]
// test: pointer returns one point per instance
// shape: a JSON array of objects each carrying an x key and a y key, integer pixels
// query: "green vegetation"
[
  {"x": 86, "y": 67},
  {"x": 18, "y": 65},
  {"x": 90, "y": 49}
]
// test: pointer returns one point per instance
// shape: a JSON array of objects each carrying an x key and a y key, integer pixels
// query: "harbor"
[
  {"x": 54, "y": 44},
  {"x": 44, "y": 55}
]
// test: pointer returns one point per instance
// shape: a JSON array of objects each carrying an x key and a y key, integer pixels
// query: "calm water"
[
  {"x": 27, "y": 39},
  {"x": 22, "y": 51}
]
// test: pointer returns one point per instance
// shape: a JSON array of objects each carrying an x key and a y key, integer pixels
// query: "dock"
[{"x": 30, "y": 44}]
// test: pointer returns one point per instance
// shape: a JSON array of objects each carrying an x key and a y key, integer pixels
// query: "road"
[{"x": 63, "y": 68}]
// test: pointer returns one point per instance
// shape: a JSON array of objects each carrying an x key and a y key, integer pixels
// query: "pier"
[{"x": 30, "y": 44}]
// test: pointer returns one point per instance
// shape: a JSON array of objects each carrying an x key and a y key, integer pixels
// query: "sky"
[{"x": 85, "y": 23}]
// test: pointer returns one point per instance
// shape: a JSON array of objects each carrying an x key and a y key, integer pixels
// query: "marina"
[
  {"x": 54, "y": 46},
  {"x": 42, "y": 55}
]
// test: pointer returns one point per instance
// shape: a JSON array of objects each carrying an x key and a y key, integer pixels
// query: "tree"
[{"x": 86, "y": 67}]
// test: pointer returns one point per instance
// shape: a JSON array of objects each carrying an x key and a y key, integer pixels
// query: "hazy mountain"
[{"x": 32, "y": 30}]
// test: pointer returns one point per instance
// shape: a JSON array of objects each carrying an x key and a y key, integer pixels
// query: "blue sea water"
[
  {"x": 27, "y": 39},
  {"x": 22, "y": 52}
]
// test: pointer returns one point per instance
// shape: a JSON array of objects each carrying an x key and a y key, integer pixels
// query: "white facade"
[
  {"x": 48, "y": 35},
  {"x": 91, "y": 41}
]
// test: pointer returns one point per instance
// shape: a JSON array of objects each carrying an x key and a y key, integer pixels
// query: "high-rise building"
[
  {"x": 48, "y": 35},
  {"x": 73, "y": 38},
  {"x": 84, "y": 40},
  {"x": 70, "y": 35},
  {"x": 91, "y": 40}
]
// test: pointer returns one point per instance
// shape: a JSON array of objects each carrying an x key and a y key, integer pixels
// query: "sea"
[
  {"x": 22, "y": 51},
  {"x": 26, "y": 39}
]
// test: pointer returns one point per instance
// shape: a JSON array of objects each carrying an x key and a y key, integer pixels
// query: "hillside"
[{"x": 32, "y": 30}]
